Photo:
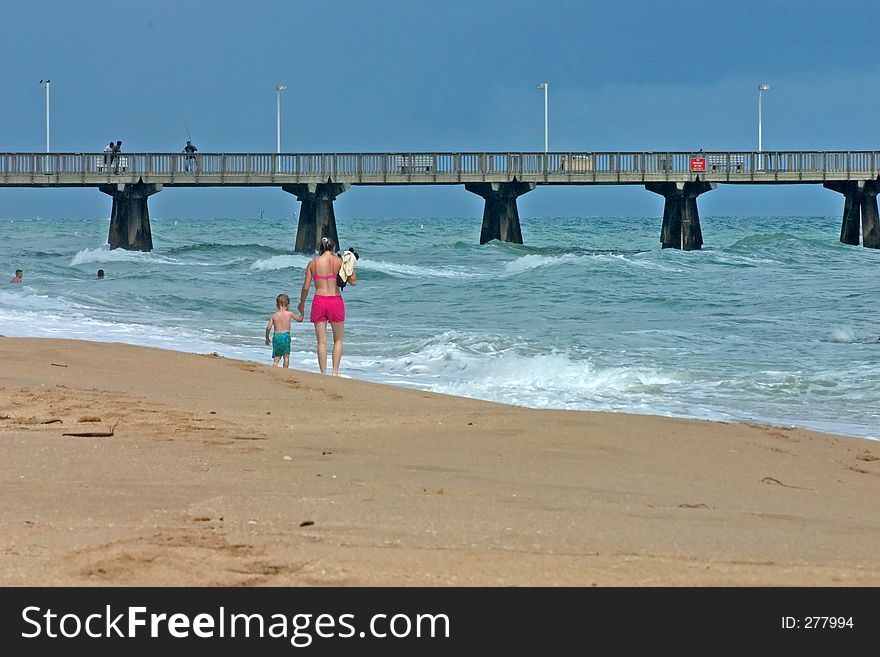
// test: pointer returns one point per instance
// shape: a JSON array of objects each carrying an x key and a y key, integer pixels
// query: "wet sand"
[{"x": 225, "y": 472}]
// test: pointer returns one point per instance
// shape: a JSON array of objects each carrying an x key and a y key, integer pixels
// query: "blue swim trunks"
[{"x": 280, "y": 344}]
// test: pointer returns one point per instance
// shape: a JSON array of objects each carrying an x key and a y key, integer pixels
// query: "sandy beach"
[{"x": 225, "y": 472}]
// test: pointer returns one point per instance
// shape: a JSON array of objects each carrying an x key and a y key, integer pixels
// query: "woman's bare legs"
[
  {"x": 338, "y": 333},
  {"x": 321, "y": 335}
]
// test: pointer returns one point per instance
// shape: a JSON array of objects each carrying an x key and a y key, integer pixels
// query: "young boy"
[{"x": 280, "y": 322}]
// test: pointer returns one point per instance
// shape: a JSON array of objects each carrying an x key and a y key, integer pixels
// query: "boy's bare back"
[{"x": 280, "y": 320}]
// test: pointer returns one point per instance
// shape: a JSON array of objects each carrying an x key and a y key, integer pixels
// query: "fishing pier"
[{"x": 316, "y": 179}]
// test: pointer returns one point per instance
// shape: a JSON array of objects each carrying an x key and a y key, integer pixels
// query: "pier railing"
[{"x": 212, "y": 169}]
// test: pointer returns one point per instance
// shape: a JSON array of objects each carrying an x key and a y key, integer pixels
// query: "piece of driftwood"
[{"x": 93, "y": 434}]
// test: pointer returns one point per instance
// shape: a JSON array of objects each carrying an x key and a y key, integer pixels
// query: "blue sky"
[{"x": 441, "y": 75}]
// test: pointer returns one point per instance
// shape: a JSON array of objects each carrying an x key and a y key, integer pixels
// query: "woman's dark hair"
[{"x": 327, "y": 244}]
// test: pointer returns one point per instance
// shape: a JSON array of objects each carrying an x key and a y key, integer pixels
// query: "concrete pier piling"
[
  {"x": 130, "y": 216},
  {"x": 849, "y": 226},
  {"x": 870, "y": 218},
  {"x": 500, "y": 214},
  {"x": 316, "y": 216},
  {"x": 859, "y": 210},
  {"x": 681, "y": 219}
]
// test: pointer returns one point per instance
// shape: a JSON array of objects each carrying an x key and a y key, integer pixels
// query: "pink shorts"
[{"x": 327, "y": 309}]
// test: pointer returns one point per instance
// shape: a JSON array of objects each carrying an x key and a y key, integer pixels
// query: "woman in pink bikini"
[{"x": 327, "y": 304}]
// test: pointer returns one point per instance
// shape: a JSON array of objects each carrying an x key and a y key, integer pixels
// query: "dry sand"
[{"x": 224, "y": 472}]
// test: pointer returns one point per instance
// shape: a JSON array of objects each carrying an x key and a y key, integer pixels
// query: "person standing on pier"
[
  {"x": 189, "y": 149},
  {"x": 114, "y": 156},
  {"x": 108, "y": 156}
]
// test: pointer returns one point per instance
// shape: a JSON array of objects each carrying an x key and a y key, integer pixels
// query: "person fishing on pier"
[{"x": 189, "y": 149}]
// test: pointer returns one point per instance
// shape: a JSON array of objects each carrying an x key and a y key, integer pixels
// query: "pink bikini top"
[{"x": 322, "y": 276}]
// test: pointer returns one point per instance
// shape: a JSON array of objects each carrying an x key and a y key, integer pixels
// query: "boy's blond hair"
[{"x": 282, "y": 300}]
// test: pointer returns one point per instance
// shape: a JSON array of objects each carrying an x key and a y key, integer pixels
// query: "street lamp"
[
  {"x": 278, "y": 89},
  {"x": 761, "y": 89},
  {"x": 45, "y": 85},
  {"x": 545, "y": 86}
]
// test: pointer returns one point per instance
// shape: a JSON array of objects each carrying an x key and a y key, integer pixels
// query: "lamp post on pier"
[
  {"x": 545, "y": 86},
  {"x": 761, "y": 89},
  {"x": 278, "y": 89},
  {"x": 45, "y": 85}
]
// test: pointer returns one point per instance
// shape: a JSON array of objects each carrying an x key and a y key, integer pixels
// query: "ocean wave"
[
  {"x": 504, "y": 369},
  {"x": 30, "y": 322},
  {"x": 761, "y": 239},
  {"x": 106, "y": 254},
  {"x": 399, "y": 269},
  {"x": 394, "y": 269},
  {"x": 846, "y": 335},
  {"x": 24, "y": 297},
  {"x": 214, "y": 248},
  {"x": 590, "y": 259},
  {"x": 777, "y": 238},
  {"x": 531, "y": 262},
  {"x": 655, "y": 265},
  {"x": 279, "y": 262},
  {"x": 27, "y": 305},
  {"x": 722, "y": 258},
  {"x": 843, "y": 335}
]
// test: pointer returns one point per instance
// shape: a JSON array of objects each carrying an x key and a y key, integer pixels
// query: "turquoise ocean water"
[{"x": 773, "y": 321}]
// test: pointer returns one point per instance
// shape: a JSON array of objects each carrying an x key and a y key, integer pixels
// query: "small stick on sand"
[{"x": 93, "y": 434}]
